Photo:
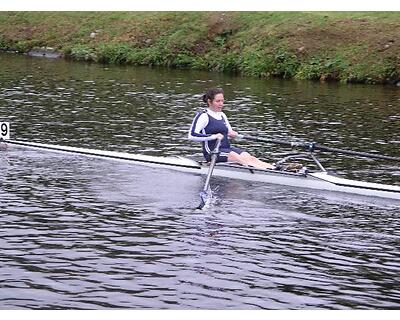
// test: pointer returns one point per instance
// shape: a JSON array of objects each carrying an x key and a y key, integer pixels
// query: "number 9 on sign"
[{"x": 4, "y": 130}]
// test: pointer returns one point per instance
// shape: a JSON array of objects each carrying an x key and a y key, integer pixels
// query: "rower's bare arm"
[
  {"x": 232, "y": 134},
  {"x": 218, "y": 136}
]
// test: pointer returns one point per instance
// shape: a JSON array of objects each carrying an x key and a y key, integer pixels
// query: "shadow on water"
[{"x": 80, "y": 233}]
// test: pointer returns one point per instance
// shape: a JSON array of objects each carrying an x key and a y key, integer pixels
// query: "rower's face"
[{"x": 218, "y": 102}]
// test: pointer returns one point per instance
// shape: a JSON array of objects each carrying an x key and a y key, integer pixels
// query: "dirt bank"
[{"x": 348, "y": 47}]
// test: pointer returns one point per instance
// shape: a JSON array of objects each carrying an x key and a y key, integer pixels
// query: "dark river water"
[{"x": 85, "y": 233}]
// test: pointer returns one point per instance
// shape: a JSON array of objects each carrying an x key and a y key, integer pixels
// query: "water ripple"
[{"x": 80, "y": 233}]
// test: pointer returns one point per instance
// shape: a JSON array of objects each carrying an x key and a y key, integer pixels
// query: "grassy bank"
[{"x": 347, "y": 47}]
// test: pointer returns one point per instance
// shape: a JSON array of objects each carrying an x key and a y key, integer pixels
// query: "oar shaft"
[
  {"x": 311, "y": 146},
  {"x": 275, "y": 141},
  {"x": 356, "y": 153},
  {"x": 214, "y": 157}
]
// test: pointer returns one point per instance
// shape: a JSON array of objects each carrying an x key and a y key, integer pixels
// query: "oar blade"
[{"x": 205, "y": 199}]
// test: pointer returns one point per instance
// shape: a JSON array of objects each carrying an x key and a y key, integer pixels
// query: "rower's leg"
[
  {"x": 235, "y": 157},
  {"x": 248, "y": 160},
  {"x": 253, "y": 161}
]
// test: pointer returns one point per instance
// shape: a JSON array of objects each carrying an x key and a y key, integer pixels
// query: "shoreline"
[{"x": 346, "y": 47}]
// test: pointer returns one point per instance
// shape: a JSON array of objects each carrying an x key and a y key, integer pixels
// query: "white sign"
[{"x": 4, "y": 130}]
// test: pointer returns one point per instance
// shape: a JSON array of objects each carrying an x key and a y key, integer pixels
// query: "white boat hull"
[{"x": 316, "y": 180}]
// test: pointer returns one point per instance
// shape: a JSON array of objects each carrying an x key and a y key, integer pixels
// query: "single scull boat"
[{"x": 319, "y": 179}]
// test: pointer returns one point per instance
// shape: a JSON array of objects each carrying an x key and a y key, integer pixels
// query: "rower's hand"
[
  {"x": 218, "y": 136},
  {"x": 232, "y": 134}
]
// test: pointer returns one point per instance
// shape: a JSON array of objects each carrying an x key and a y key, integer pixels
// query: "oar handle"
[{"x": 312, "y": 146}]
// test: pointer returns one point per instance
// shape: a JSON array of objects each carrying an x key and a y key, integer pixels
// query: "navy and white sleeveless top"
[{"x": 207, "y": 123}]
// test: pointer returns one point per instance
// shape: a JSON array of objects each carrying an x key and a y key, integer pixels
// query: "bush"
[
  {"x": 286, "y": 65},
  {"x": 391, "y": 69},
  {"x": 115, "y": 53},
  {"x": 323, "y": 68},
  {"x": 311, "y": 70},
  {"x": 374, "y": 71},
  {"x": 256, "y": 63},
  {"x": 279, "y": 64},
  {"x": 81, "y": 53},
  {"x": 4, "y": 44},
  {"x": 183, "y": 60},
  {"x": 23, "y": 46},
  {"x": 228, "y": 62}
]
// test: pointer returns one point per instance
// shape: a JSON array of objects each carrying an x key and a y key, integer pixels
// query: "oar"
[
  {"x": 357, "y": 153},
  {"x": 206, "y": 193},
  {"x": 311, "y": 146}
]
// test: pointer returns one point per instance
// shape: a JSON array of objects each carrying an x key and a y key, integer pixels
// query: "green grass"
[{"x": 338, "y": 46}]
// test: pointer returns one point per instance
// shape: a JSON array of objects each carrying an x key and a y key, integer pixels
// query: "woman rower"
[{"x": 212, "y": 124}]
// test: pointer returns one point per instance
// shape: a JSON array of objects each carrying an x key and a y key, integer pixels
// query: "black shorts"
[{"x": 223, "y": 155}]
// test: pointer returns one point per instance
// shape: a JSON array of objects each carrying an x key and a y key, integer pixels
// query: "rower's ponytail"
[{"x": 211, "y": 93}]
